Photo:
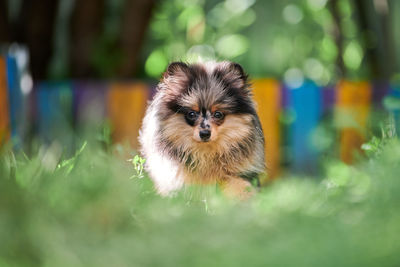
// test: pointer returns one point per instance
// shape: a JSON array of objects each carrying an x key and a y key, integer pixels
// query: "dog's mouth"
[{"x": 202, "y": 141}]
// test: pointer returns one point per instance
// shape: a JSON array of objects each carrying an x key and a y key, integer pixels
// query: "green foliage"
[
  {"x": 270, "y": 38},
  {"x": 138, "y": 165},
  {"x": 197, "y": 30},
  {"x": 391, "y": 103},
  {"x": 69, "y": 164},
  {"x": 374, "y": 146},
  {"x": 93, "y": 214}
]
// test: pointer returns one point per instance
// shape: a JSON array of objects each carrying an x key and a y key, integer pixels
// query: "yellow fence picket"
[
  {"x": 267, "y": 94},
  {"x": 126, "y": 107},
  {"x": 352, "y": 110}
]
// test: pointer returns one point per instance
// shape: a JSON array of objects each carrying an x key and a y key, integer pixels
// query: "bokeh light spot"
[
  {"x": 292, "y": 14},
  {"x": 200, "y": 53},
  {"x": 26, "y": 83},
  {"x": 238, "y": 6},
  {"x": 313, "y": 69},
  {"x": 328, "y": 49},
  {"x": 294, "y": 78},
  {"x": 156, "y": 64},
  {"x": 247, "y": 18},
  {"x": 232, "y": 45},
  {"x": 353, "y": 55},
  {"x": 316, "y": 4}
]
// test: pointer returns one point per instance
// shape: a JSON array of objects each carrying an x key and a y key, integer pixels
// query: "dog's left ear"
[
  {"x": 238, "y": 71},
  {"x": 178, "y": 69},
  {"x": 234, "y": 74}
]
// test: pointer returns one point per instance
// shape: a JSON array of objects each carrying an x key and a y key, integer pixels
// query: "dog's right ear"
[
  {"x": 176, "y": 78},
  {"x": 176, "y": 69}
]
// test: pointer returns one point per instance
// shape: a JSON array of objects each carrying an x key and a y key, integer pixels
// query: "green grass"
[{"x": 89, "y": 211}]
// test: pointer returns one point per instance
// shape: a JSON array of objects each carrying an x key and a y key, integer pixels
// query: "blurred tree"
[
  {"x": 35, "y": 28},
  {"x": 197, "y": 30},
  {"x": 321, "y": 40},
  {"x": 135, "y": 21},
  {"x": 372, "y": 18},
  {"x": 85, "y": 28},
  {"x": 97, "y": 50},
  {"x": 4, "y": 37},
  {"x": 333, "y": 6},
  {"x": 394, "y": 9},
  {"x": 387, "y": 42},
  {"x": 372, "y": 31}
]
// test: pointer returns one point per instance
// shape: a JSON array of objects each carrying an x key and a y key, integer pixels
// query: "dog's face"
[{"x": 205, "y": 104}]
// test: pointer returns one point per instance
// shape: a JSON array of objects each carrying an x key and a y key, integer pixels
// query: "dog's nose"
[{"x": 205, "y": 135}]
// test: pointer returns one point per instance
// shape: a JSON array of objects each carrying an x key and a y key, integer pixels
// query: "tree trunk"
[
  {"x": 135, "y": 21},
  {"x": 334, "y": 9},
  {"x": 36, "y": 28},
  {"x": 4, "y": 26},
  {"x": 85, "y": 29},
  {"x": 388, "y": 42},
  {"x": 377, "y": 58}
]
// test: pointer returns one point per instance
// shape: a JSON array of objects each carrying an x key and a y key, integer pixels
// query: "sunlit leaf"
[{"x": 156, "y": 63}]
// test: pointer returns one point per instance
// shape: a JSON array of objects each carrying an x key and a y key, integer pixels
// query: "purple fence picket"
[
  {"x": 379, "y": 91},
  {"x": 328, "y": 99},
  {"x": 89, "y": 103}
]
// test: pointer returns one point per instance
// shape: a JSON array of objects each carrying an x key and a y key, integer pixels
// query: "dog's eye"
[
  {"x": 191, "y": 115},
  {"x": 218, "y": 115}
]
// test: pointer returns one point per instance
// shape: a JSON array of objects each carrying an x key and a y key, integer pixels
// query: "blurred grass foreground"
[{"x": 89, "y": 210}]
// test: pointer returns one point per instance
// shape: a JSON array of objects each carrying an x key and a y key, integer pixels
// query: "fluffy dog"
[{"x": 202, "y": 128}]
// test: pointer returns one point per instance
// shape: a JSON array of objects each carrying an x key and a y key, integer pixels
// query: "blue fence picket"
[
  {"x": 305, "y": 103},
  {"x": 54, "y": 112},
  {"x": 16, "y": 106},
  {"x": 392, "y": 103}
]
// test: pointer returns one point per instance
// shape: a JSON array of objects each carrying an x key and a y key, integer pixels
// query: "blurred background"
[
  {"x": 319, "y": 67},
  {"x": 319, "y": 39},
  {"x": 75, "y": 78}
]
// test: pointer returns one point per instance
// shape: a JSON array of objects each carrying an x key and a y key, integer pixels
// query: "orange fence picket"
[
  {"x": 4, "y": 108},
  {"x": 126, "y": 103},
  {"x": 267, "y": 94},
  {"x": 352, "y": 110}
]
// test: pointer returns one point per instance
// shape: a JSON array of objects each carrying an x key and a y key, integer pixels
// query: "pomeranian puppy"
[{"x": 202, "y": 128}]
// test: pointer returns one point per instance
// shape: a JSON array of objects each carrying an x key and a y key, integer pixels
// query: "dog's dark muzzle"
[{"x": 205, "y": 135}]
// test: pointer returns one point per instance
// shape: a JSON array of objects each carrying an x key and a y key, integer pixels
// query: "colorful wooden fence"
[{"x": 292, "y": 118}]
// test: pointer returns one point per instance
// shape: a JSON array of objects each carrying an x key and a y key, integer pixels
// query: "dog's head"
[{"x": 205, "y": 104}]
